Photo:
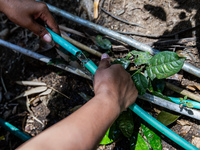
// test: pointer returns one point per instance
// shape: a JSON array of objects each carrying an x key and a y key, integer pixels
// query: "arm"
[
  {"x": 25, "y": 13},
  {"x": 84, "y": 129}
]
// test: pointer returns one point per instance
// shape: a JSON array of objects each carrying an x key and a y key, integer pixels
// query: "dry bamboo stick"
[{"x": 182, "y": 91}]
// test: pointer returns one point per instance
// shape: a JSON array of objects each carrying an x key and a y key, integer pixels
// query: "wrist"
[{"x": 108, "y": 101}]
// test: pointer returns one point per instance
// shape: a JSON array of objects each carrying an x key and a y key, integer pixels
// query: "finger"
[
  {"x": 105, "y": 61},
  {"x": 40, "y": 31},
  {"x": 50, "y": 21}
]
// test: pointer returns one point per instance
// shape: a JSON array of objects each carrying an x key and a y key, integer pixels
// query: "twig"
[
  {"x": 171, "y": 106},
  {"x": 59, "y": 92},
  {"x": 119, "y": 19},
  {"x": 83, "y": 47},
  {"x": 4, "y": 87},
  {"x": 158, "y": 36},
  {"x": 71, "y": 31},
  {"x": 182, "y": 91}
]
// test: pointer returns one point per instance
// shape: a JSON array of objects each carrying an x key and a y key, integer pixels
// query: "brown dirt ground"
[{"x": 157, "y": 18}]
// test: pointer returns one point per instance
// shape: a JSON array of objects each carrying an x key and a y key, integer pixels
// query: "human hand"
[
  {"x": 114, "y": 82},
  {"x": 25, "y": 13}
]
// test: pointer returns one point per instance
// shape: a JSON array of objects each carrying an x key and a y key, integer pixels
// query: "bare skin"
[
  {"x": 84, "y": 129},
  {"x": 25, "y": 13}
]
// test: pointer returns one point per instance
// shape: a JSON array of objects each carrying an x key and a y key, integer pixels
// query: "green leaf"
[
  {"x": 185, "y": 97},
  {"x": 161, "y": 95},
  {"x": 153, "y": 139},
  {"x": 103, "y": 43},
  {"x": 140, "y": 144},
  {"x": 106, "y": 140},
  {"x": 167, "y": 118},
  {"x": 140, "y": 57},
  {"x": 189, "y": 104},
  {"x": 125, "y": 123},
  {"x": 124, "y": 62},
  {"x": 141, "y": 83},
  {"x": 114, "y": 132},
  {"x": 164, "y": 64},
  {"x": 158, "y": 85}
]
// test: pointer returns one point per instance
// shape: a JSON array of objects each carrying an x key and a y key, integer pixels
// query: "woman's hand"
[{"x": 25, "y": 13}]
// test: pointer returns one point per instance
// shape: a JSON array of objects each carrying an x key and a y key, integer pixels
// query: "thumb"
[
  {"x": 40, "y": 31},
  {"x": 105, "y": 61}
]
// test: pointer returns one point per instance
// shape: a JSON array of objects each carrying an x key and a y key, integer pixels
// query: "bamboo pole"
[{"x": 182, "y": 91}]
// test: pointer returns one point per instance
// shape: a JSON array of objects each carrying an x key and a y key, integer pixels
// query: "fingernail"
[
  {"x": 47, "y": 37},
  {"x": 104, "y": 56}
]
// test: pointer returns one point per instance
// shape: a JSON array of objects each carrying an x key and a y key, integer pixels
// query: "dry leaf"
[
  {"x": 191, "y": 88},
  {"x": 48, "y": 91},
  {"x": 31, "y": 83},
  {"x": 32, "y": 91},
  {"x": 184, "y": 122},
  {"x": 196, "y": 142},
  {"x": 185, "y": 130},
  {"x": 197, "y": 86}
]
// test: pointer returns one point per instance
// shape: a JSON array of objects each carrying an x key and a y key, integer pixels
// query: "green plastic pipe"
[
  {"x": 160, "y": 127},
  {"x": 196, "y": 105},
  {"x": 14, "y": 130},
  {"x": 66, "y": 45},
  {"x": 135, "y": 108},
  {"x": 73, "y": 50}
]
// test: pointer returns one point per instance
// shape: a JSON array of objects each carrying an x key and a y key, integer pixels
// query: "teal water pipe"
[
  {"x": 163, "y": 129},
  {"x": 135, "y": 108},
  {"x": 74, "y": 51},
  {"x": 196, "y": 105},
  {"x": 14, "y": 130}
]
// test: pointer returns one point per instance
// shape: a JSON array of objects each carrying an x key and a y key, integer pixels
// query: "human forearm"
[{"x": 83, "y": 129}]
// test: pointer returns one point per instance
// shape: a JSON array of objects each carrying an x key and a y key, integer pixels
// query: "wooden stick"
[
  {"x": 182, "y": 91},
  {"x": 71, "y": 31}
]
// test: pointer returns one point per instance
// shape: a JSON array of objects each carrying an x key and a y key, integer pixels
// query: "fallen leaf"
[
  {"x": 184, "y": 122},
  {"x": 190, "y": 88},
  {"x": 32, "y": 91},
  {"x": 196, "y": 141},
  {"x": 197, "y": 86},
  {"x": 185, "y": 130},
  {"x": 48, "y": 91},
  {"x": 31, "y": 83}
]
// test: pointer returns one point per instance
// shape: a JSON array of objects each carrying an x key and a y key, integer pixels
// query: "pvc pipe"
[
  {"x": 140, "y": 46},
  {"x": 9, "y": 127},
  {"x": 160, "y": 127},
  {"x": 42, "y": 58},
  {"x": 66, "y": 45},
  {"x": 196, "y": 105},
  {"x": 170, "y": 105}
]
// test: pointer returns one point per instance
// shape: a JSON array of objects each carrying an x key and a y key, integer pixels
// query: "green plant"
[
  {"x": 148, "y": 77},
  {"x": 184, "y": 103}
]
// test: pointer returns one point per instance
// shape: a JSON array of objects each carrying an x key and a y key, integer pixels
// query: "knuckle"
[{"x": 43, "y": 6}]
